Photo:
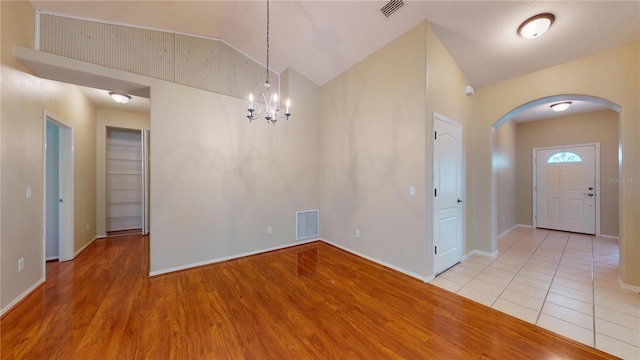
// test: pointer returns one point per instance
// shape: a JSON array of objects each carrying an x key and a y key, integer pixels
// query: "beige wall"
[
  {"x": 446, "y": 96},
  {"x": 218, "y": 181},
  {"x": 25, "y": 98},
  {"x": 504, "y": 166},
  {"x": 600, "y": 126},
  {"x": 376, "y": 144},
  {"x": 110, "y": 118},
  {"x": 613, "y": 75}
]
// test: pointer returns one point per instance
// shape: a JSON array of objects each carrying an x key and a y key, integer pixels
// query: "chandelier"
[{"x": 272, "y": 105}]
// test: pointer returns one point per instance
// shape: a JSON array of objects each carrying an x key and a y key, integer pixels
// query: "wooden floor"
[{"x": 307, "y": 302}]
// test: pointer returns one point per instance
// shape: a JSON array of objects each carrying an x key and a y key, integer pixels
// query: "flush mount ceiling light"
[
  {"x": 120, "y": 98},
  {"x": 561, "y": 106},
  {"x": 536, "y": 25},
  {"x": 271, "y": 103}
]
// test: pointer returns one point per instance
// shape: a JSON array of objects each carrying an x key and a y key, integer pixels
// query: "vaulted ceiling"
[{"x": 321, "y": 39}]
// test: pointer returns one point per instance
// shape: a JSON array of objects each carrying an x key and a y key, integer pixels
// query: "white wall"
[
  {"x": 504, "y": 166},
  {"x": 218, "y": 181},
  {"x": 376, "y": 143}
]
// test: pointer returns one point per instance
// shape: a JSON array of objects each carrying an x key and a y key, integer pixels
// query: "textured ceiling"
[{"x": 321, "y": 39}]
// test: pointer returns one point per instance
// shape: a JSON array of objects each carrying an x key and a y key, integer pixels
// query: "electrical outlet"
[
  {"x": 412, "y": 191},
  {"x": 21, "y": 265},
  {"x": 87, "y": 226},
  {"x": 28, "y": 192},
  {"x": 357, "y": 232},
  {"x": 269, "y": 230}
]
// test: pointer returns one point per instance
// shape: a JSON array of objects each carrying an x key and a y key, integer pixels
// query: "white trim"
[
  {"x": 231, "y": 257},
  {"x": 609, "y": 236},
  {"x": 21, "y": 297},
  {"x": 504, "y": 233},
  {"x": 36, "y": 37},
  {"x": 524, "y": 226},
  {"x": 51, "y": 258},
  {"x": 85, "y": 246},
  {"x": 380, "y": 262},
  {"x": 101, "y": 236},
  {"x": 597, "y": 180},
  {"x": 491, "y": 255},
  {"x": 628, "y": 286}
]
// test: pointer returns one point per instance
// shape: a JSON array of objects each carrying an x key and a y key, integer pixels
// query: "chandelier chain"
[{"x": 267, "y": 41}]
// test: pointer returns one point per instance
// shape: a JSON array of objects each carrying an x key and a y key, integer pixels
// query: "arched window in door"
[{"x": 564, "y": 157}]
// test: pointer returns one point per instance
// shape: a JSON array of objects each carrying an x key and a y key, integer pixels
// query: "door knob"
[
  {"x": 60, "y": 200},
  {"x": 590, "y": 188},
  {"x": 590, "y": 194},
  {"x": 459, "y": 201}
]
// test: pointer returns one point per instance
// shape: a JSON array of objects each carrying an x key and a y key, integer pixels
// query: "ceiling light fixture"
[
  {"x": 561, "y": 106},
  {"x": 536, "y": 25},
  {"x": 272, "y": 105},
  {"x": 120, "y": 98}
]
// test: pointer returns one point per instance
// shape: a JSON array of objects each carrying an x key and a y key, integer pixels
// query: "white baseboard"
[
  {"x": 608, "y": 236},
  {"x": 225, "y": 258},
  {"x": 84, "y": 247},
  {"x": 504, "y": 233},
  {"x": 380, "y": 262},
  {"x": 101, "y": 236},
  {"x": 523, "y": 226},
  {"x": 21, "y": 297},
  {"x": 628, "y": 287},
  {"x": 492, "y": 255},
  {"x": 52, "y": 258}
]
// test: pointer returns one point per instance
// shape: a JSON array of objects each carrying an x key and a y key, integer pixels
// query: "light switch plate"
[
  {"x": 28, "y": 192},
  {"x": 412, "y": 191}
]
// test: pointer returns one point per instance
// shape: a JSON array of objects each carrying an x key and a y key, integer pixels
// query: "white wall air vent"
[
  {"x": 391, "y": 7},
  {"x": 307, "y": 224}
]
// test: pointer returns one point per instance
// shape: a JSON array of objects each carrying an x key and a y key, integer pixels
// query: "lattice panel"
[
  {"x": 140, "y": 51},
  {"x": 198, "y": 62},
  {"x": 187, "y": 60}
]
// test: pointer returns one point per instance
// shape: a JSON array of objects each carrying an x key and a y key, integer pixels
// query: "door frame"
[
  {"x": 462, "y": 207},
  {"x": 66, "y": 158},
  {"x": 534, "y": 190}
]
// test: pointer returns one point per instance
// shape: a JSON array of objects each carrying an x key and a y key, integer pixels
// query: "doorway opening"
[
  {"x": 126, "y": 181},
  {"x": 58, "y": 190},
  {"x": 572, "y": 128}
]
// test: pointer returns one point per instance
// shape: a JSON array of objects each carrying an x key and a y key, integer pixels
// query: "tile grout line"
[
  {"x": 544, "y": 301},
  {"x": 520, "y": 269}
]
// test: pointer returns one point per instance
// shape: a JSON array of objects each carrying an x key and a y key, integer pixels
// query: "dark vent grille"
[{"x": 391, "y": 7}]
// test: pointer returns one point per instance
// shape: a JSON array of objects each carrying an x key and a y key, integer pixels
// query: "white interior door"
[
  {"x": 565, "y": 188},
  {"x": 448, "y": 180}
]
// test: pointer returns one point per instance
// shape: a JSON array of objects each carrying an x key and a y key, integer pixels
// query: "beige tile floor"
[{"x": 564, "y": 282}]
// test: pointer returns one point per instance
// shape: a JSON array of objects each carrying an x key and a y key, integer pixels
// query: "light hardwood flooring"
[
  {"x": 307, "y": 302},
  {"x": 560, "y": 281}
]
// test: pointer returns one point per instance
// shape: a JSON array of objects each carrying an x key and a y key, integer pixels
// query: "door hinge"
[
  {"x": 435, "y": 192},
  {"x": 436, "y": 250},
  {"x": 435, "y": 135}
]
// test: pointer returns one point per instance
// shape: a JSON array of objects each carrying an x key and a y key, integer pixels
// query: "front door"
[
  {"x": 565, "y": 188},
  {"x": 448, "y": 179}
]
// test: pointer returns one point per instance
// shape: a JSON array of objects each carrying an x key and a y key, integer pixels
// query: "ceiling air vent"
[{"x": 391, "y": 7}]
